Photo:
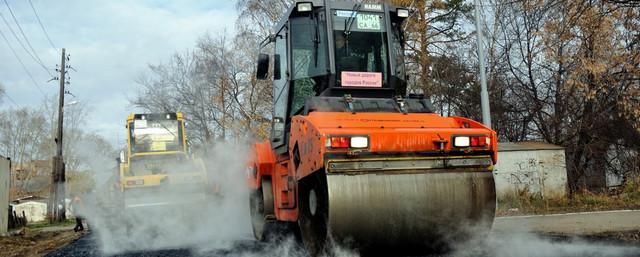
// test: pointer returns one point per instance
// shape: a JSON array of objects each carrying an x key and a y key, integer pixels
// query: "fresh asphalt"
[{"x": 561, "y": 235}]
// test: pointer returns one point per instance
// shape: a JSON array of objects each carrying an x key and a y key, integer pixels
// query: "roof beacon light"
[
  {"x": 304, "y": 7},
  {"x": 402, "y": 13}
]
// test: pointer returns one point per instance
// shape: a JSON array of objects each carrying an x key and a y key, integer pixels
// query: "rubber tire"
[{"x": 314, "y": 227}]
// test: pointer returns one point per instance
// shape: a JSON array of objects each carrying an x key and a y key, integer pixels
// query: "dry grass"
[
  {"x": 628, "y": 197},
  {"x": 34, "y": 242}
]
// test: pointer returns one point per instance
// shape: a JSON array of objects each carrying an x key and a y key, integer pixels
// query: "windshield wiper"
[
  {"x": 349, "y": 22},
  {"x": 316, "y": 39}
]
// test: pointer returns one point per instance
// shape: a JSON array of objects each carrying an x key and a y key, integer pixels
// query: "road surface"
[
  {"x": 582, "y": 223},
  {"x": 526, "y": 236}
]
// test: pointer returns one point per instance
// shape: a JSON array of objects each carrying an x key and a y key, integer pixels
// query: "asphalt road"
[
  {"x": 525, "y": 236},
  {"x": 583, "y": 223}
]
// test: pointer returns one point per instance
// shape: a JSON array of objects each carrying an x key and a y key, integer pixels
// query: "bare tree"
[
  {"x": 214, "y": 86},
  {"x": 2, "y": 92},
  {"x": 571, "y": 69}
]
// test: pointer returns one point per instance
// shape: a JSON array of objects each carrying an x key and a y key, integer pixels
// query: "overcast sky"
[{"x": 110, "y": 43}]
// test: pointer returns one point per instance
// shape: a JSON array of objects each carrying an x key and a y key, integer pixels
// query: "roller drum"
[{"x": 408, "y": 211}]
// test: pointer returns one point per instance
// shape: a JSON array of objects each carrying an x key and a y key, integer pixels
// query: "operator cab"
[
  {"x": 157, "y": 143},
  {"x": 336, "y": 56},
  {"x": 155, "y": 133}
]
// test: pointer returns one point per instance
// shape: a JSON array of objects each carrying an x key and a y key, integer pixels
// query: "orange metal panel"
[
  {"x": 387, "y": 132},
  {"x": 263, "y": 160}
]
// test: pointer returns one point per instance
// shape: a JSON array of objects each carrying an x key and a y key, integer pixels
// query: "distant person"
[{"x": 77, "y": 204}]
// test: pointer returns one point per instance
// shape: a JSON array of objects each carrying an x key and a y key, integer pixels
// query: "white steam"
[
  {"x": 521, "y": 242},
  {"x": 531, "y": 245},
  {"x": 223, "y": 224},
  {"x": 215, "y": 223}
]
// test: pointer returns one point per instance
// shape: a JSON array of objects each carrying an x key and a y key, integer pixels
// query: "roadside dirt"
[
  {"x": 632, "y": 236},
  {"x": 32, "y": 243}
]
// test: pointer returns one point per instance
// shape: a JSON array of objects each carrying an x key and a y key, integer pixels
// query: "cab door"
[{"x": 280, "y": 91}]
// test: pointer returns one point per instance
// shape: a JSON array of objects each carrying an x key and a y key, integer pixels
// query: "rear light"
[
  {"x": 137, "y": 182},
  {"x": 347, "y": 142},
  {"x": 471, "y": 141}
]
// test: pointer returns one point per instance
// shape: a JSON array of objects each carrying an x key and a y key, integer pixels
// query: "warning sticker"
[{"x": 361, "y": 79}]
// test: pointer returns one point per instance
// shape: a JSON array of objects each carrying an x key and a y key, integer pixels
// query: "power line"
[
  {"x": 17, "y": 38},
  {"x": 22, "y": 32},
  {"x": 42, "y": 26},
  {"x": 22, "y": 63},
  {"x": 12, "y": 101},
  {"x": 35, "y": 54}
]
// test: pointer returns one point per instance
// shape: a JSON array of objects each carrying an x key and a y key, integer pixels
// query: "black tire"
[
  {"x": 314, "y": 214},
  {"x": 261, "y": 208}
]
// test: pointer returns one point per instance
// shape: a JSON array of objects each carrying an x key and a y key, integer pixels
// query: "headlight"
[
  {"x": 304, "y": 7},
  {"x": 359, "y": 142},
  {"x": 336, "y": 142},
  {"x": 402, "y": 13},
  {"x": 471, "y": 141},
  {"x": 461, "y": 141}
]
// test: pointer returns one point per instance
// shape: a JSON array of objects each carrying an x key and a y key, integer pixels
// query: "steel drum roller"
[{"x": 407, "y": 210}]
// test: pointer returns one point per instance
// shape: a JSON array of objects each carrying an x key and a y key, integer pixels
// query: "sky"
[{"x": 110, "y": 43}]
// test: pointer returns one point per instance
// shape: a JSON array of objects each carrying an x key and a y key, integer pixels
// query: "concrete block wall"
[
  {"x": 539, "y": 169},
  {"x": 4, "y": 193}
]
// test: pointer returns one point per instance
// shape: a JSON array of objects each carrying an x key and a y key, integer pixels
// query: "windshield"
[
  {"x": 162, "y": 164},
  {"x": 360, "y": 49},
  {"x": 155, "y": 136}
]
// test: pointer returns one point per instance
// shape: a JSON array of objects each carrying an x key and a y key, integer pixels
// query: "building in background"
[
  {"x": 533, "y": 167},
  {"x": 34, "y": 208},
  {"x": 5, "y": 167},
  {"x": 31, "y": 178}
]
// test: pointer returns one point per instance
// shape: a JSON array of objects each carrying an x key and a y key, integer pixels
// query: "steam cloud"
[
  {"x": 528, "y": 244},
  {"x": 214, "y": 224},
  {"x": 224, "y": 224}
]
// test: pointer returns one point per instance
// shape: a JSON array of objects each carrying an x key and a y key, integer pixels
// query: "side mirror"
[
  {"x": 278, "y": 129},
  {"x": 121, "y": 158},
  {"x": 263, "y": 66}
]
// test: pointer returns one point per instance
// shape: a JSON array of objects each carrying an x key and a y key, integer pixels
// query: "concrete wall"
[
  {"x": 34, "y": 211},
  {"x": 4, "y": 194},
  {"x": 540, "y": 172}
]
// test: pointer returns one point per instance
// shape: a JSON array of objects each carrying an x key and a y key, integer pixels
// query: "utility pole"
[
  {"x": 484, "y": 94},
  {"x": 57, "y": 192}
]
